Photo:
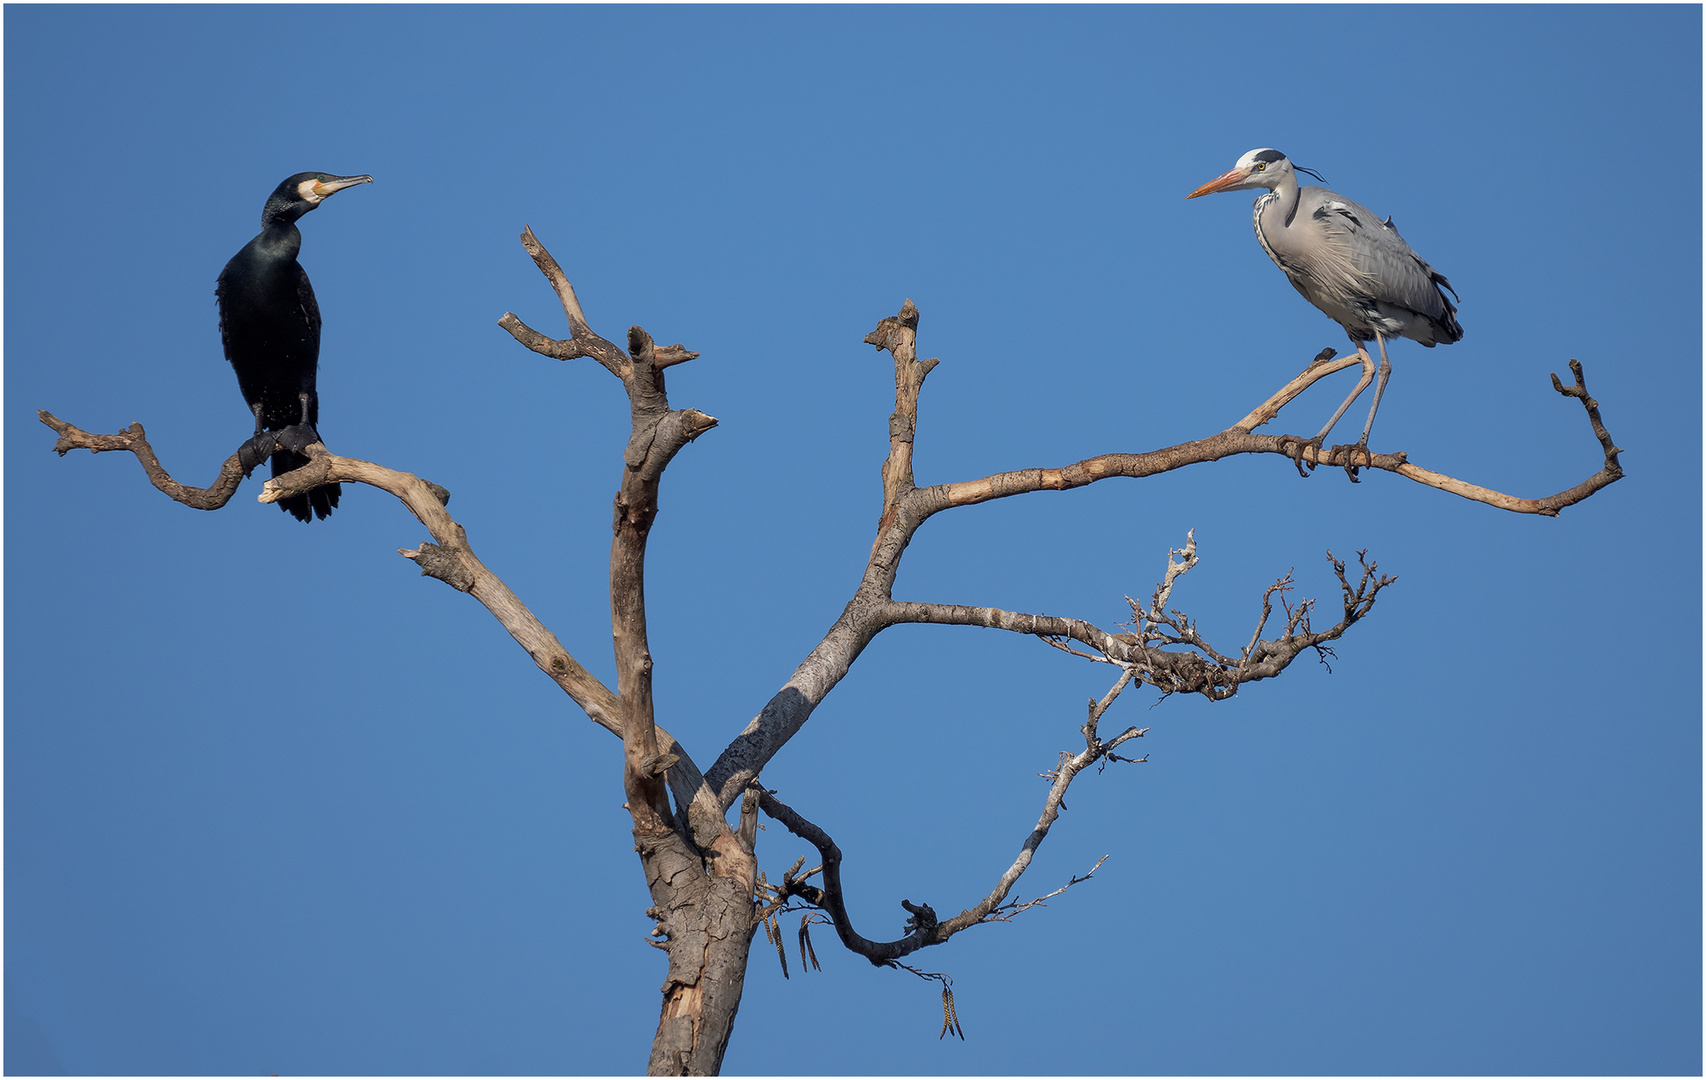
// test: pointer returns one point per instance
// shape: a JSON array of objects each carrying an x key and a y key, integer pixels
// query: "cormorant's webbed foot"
[
  {"x": 252, "y": 453},
  {"x": 1298, "y": 446},
  {"x": 297, "y": 438}
]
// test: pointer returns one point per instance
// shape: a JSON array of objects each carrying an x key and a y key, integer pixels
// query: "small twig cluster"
[{"x": 1199, "y": 667}]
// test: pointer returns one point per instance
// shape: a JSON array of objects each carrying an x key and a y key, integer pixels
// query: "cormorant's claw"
[
  {"x": 297, "y": 438},
  {"x": 252, "y": 453}
]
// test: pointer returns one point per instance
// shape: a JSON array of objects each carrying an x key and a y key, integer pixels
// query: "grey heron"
[{"x": 1347, "y": 262}]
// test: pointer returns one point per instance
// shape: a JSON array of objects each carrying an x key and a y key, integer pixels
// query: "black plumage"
[{"x": 270, "y": 325}]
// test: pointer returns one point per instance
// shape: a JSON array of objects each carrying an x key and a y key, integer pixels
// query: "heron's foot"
[
  {"x": 1349, "y": 462},
  {"x": 1296, "y": 448},
  {"x": 252, "y": 453},
  {"x": 297, "y": 437}
]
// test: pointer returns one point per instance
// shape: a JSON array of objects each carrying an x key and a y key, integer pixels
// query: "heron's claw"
[
  {"x": 1296, "y": 453},
  {"x": 1349, "y": 464},
  {"x": 256, "y": 450}
]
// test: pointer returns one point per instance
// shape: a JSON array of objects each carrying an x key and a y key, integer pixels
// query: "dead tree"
[{"x": 708, "y": 894}]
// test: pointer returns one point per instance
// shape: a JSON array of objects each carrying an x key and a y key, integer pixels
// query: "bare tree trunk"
[
  {"x": 702, "y": 897},
  {"x": 709, "y": 921},
  {"x": 707, "y": 894}
]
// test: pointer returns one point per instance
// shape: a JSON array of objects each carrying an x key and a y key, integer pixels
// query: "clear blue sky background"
[{"x": 275, "y": 803}]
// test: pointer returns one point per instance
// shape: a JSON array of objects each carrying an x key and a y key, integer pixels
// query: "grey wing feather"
[{"x": 1396, "y": 274}]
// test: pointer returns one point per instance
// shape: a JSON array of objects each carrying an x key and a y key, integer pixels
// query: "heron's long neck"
[{"x": 1272, "y": 214}]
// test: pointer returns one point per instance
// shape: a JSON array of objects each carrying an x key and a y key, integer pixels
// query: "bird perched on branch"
[
  {"x": 270, "y": 325},
  {"x": 1347, "y": 262}
]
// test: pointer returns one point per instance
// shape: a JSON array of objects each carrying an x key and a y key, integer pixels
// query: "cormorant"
[{"x": 270, "y": 324}]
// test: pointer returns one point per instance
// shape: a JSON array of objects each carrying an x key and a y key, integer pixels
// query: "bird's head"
[
  {"x": 303, "y": 192},
  {"x": 1263, "y": 168}
]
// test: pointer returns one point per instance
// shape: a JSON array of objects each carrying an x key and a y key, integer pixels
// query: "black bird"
[{"x": 270, "y": 324}]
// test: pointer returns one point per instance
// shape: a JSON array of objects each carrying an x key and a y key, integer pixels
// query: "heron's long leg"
[
  {"x": 1379, "y": 388},
  {"x": 1362, "y": 384}
]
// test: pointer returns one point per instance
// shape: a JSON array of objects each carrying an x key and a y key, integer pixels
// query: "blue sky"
[{"x": 274, "y": 803}]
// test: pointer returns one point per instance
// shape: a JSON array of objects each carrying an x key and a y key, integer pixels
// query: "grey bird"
[{"x": 1347, "y": 262}]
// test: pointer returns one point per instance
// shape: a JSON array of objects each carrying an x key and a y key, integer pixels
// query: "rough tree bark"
[{"x": 708, "y": 894}]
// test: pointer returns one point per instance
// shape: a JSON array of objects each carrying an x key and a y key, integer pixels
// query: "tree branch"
[
  {"x": 582, "y": 341},
  {"x": 1319, "y": 368},
  {"x": 924, "y": 927},
  {"x": 899, "y": 334},
  {"x": 448, "y": 558},
  {"x": 133, "y": 440},
  {"x": 701, "y": 876},
  {"x": 1238, "y": 439},
  {"x": 657, "y": 434},
  {"x": 906, "y": 508},
  {"x": 1202, "y": 670}
]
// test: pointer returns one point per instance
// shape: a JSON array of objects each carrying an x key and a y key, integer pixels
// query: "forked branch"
[
  {"x": 448, "y": 557},
  {"x": 701, "y": 877},
  {"x": 906, "y": 507},
  {"x": 923, "y": 926},
  {"x": 1197, "y": 668},
  {"x": 582, "y": 341},
  {"x": 1141, "y": 657},
  {"x": 1240, "y": 439}
]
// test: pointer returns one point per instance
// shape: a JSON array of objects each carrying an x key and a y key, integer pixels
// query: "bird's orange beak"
[{"x": 1221, "y": 182}]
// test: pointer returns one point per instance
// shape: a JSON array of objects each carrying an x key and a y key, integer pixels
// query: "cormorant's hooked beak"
[
  {"x": 1223, "y": 182},
  {"x": 324, "y": 188}
]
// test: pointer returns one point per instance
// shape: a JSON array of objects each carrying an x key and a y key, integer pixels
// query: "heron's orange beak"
[{"x": 1221, "y": 183}]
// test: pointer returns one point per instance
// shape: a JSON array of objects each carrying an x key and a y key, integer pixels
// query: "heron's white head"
[{"x": 1261, "y": 168}]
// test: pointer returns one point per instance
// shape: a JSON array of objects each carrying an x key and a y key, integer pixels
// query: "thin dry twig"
[
  {"x": 1192, "y": 664},
  {"x": 1322, "y": 366},
  {"x": 923, "y": 927}
]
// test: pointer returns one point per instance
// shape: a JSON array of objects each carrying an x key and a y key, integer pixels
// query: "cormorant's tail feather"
[{"x": 318, "y": 502}]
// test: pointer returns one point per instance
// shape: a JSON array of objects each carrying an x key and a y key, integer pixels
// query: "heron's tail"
[
  {"x": 318, "y": 502},
  {"x": 1445, "y": 327}
]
